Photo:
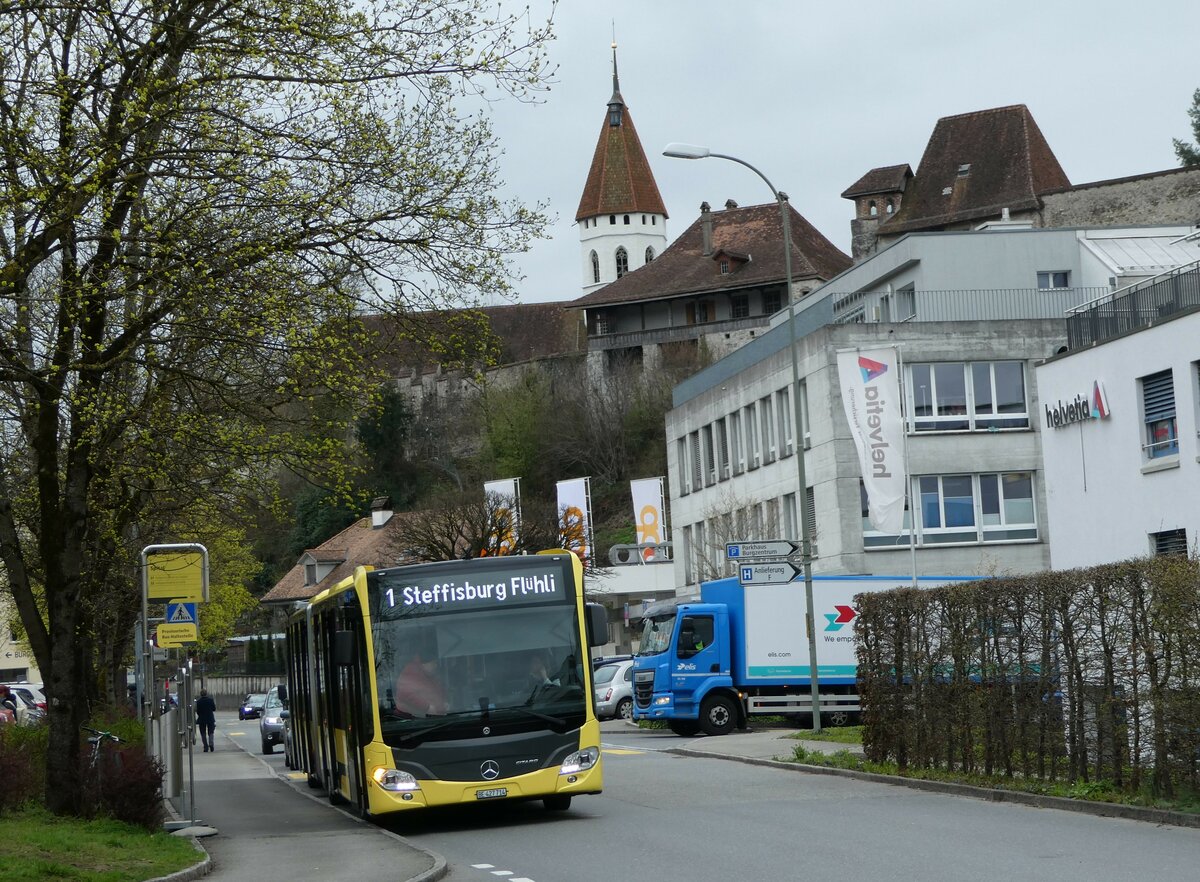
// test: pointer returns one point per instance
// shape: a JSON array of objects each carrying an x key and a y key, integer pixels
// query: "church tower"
[{"x": 621, "y": 217}]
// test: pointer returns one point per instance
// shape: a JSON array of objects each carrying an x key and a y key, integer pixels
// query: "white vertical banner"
[
  {"x": 648, "y": 511},
  {"x": 507, "y": 493},
  {"x": 575, "y": 516},
  {"x": 870, "y": 381}
]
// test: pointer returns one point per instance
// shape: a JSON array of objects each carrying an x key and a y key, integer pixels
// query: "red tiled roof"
[
  {"x": 360, "y": 544},
  {"x": 756, "y": 230},
  {"x": 620, "y": 180},
  {"x": 887, "y": 179},
  {"x": 1011, "y": 165}
]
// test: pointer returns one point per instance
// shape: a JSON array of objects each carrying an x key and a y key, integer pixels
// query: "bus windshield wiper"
[
  {"x": 554, "y": 721},
  {"x": 413, "y": 737}
]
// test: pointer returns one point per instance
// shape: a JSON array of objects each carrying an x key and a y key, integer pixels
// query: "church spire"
[
  {"x": 621, "y": 218},
  {"x": 616, "y": 104},
  {"x": 620, "y": 179}
]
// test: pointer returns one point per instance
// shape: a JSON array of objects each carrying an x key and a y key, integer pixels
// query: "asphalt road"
[{"x": 668, "y": 818}]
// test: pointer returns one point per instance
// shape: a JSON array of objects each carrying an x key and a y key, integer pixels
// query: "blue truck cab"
[{"x": 684, "y": 673}]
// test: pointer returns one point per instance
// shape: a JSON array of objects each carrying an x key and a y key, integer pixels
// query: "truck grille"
[{"x": 643, "y": 687}]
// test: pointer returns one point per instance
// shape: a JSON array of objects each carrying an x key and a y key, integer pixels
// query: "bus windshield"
[
  {"x": 656, "y": 633},
  {"x": 513, "y": 669}
]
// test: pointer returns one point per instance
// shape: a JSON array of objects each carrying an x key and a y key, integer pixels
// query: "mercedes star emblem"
[{"x": 490, "y": 770}]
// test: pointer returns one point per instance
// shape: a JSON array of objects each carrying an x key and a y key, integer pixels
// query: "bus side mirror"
[
  {"x": 344, "y": 648},
  {"x": 597, "y": 624},
  {"x": 283, "y": 693}
]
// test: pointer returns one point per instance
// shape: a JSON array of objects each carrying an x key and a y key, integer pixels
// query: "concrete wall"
[
  {"x": 1105, "y": 497},
  {"x": 228, "y": 691}
]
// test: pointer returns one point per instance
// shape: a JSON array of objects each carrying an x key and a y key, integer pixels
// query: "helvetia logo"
[
  {"x": 1099, "y": 401},
  {"x": 871, "y": 368}
]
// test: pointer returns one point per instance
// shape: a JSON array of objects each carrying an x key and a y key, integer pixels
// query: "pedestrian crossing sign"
[{"x": 181, "y": 614}]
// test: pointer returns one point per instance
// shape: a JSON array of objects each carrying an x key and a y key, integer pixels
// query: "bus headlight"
[
  {"x": 395, "y": 780},
  {"x": 580, "y": 761}
]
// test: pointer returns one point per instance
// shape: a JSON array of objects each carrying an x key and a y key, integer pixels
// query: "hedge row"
[{"x": 1078, "y": 675}]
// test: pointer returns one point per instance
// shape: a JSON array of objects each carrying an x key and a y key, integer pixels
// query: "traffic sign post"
[
  {"x": 770, "y": 548},
  {"x": 182, "y": 614},
  {"x": 772, "y": 573},
  {"x": 176, "y": 635}
]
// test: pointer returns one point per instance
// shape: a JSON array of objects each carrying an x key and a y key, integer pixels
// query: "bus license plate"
[{"x": 494, "y": 793}]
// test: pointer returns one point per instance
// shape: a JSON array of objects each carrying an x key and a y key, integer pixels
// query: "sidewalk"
[
  {"x": 759, "y": 744},
  {"x": 271, "y": 828}
]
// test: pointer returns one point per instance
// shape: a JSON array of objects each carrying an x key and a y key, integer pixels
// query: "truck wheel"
[
  {"x": 686, "y": 728},
  {"x": 836, "y": 718},
  {"x": 625, "y": 709},
  {"x": 557, "y": 803},
  {"x": 718, "y": 716}
]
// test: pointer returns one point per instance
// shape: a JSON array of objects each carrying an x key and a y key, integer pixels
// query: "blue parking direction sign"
[
  {"x": 769, "y": 548},
  {"x": 181, "y": 614}
]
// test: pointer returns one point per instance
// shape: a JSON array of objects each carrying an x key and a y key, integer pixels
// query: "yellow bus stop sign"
[
  {"x": 176, "y": 575},
  {"x": 176, "y": 635}
]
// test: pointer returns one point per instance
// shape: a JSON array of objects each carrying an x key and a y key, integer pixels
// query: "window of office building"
[
  {"x": 959, "y": 509},
  {"x": 753, "y": 451},
  {"x": 767, "y": 427},
  {"x": 722, "y": 450},
  {"x": 736, "y": 455},
  {"x": 710, "y": 461},
  {"x": 967, "y": 396},
  {"x": 1158, "y": 409},
  {"x": 784, "y": 423},
  {"x": 1050, "y": 279},
  {"x": 1169, "y": 542}
]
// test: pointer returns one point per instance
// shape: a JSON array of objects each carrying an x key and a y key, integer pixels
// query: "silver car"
[
  {"x": 613, "y": 684},
  {"x": 270, "y": 724}
]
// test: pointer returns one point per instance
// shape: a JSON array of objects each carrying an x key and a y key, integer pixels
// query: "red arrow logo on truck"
[{"x": 843, "y": 615}]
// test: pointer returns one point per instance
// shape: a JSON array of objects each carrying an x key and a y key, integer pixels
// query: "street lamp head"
[{"x": 686, "y": 151}]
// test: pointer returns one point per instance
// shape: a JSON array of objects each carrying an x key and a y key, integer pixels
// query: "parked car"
[
  {"x": 270, "y": 725},
  {"x": 602, "y": 660},
  {"x": 613, "y": 685},
  {"x": 252, "y": 707},
  {"x": 33, "y": 691},
  {"x": 31, "y": 703},
  {"x": 28, "y": 712}
]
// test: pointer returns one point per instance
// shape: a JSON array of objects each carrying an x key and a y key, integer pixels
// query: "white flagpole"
[{"x": 908, "y": 478}]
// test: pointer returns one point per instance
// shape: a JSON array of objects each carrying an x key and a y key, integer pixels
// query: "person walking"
[{"x": 206, "y": 719}]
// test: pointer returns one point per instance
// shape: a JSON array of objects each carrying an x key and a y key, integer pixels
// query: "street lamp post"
[{"x": 690, "y": 151}]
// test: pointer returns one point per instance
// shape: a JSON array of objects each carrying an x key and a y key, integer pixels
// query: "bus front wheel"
[{"x": 557, "y": 803}]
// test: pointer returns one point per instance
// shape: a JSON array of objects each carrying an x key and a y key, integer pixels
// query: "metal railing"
[
  {"x": 957, "y": 305},
  {"x": 1141, "y": 305}
]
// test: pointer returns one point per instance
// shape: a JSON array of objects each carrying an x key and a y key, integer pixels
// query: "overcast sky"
[{"x": 816, "y": 94}]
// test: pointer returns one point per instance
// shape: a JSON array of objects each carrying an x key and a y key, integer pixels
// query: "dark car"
[
  {"x": 252, "y": 707},
  {"x": 270, "y": 727}
]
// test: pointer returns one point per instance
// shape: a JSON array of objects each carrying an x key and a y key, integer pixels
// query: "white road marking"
[{"x": 482, "y": 866}]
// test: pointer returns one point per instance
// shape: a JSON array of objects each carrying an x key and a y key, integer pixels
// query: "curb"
[
  {"x": 196, "y": 871},
  {"x": 1036, "y": 800}
]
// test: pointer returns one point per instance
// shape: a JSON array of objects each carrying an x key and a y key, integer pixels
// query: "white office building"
[
  {"x": 973, "y": 313},
  {"x": 1120, "y": 422}
]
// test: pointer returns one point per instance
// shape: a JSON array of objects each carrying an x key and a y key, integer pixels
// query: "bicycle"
[{"x": 97, "y": 739}]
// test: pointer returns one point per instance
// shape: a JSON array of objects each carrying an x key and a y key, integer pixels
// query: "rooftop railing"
[{"x": 1139, "y": 306}]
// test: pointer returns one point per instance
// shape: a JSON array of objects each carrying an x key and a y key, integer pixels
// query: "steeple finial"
[{"x": 616, "y": 104}]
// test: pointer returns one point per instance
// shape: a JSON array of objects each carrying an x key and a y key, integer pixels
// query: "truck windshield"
[{"x": 656, "y": 634}]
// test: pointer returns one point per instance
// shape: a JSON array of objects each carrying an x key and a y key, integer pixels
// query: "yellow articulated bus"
[{"x": 447, "y": 683}]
